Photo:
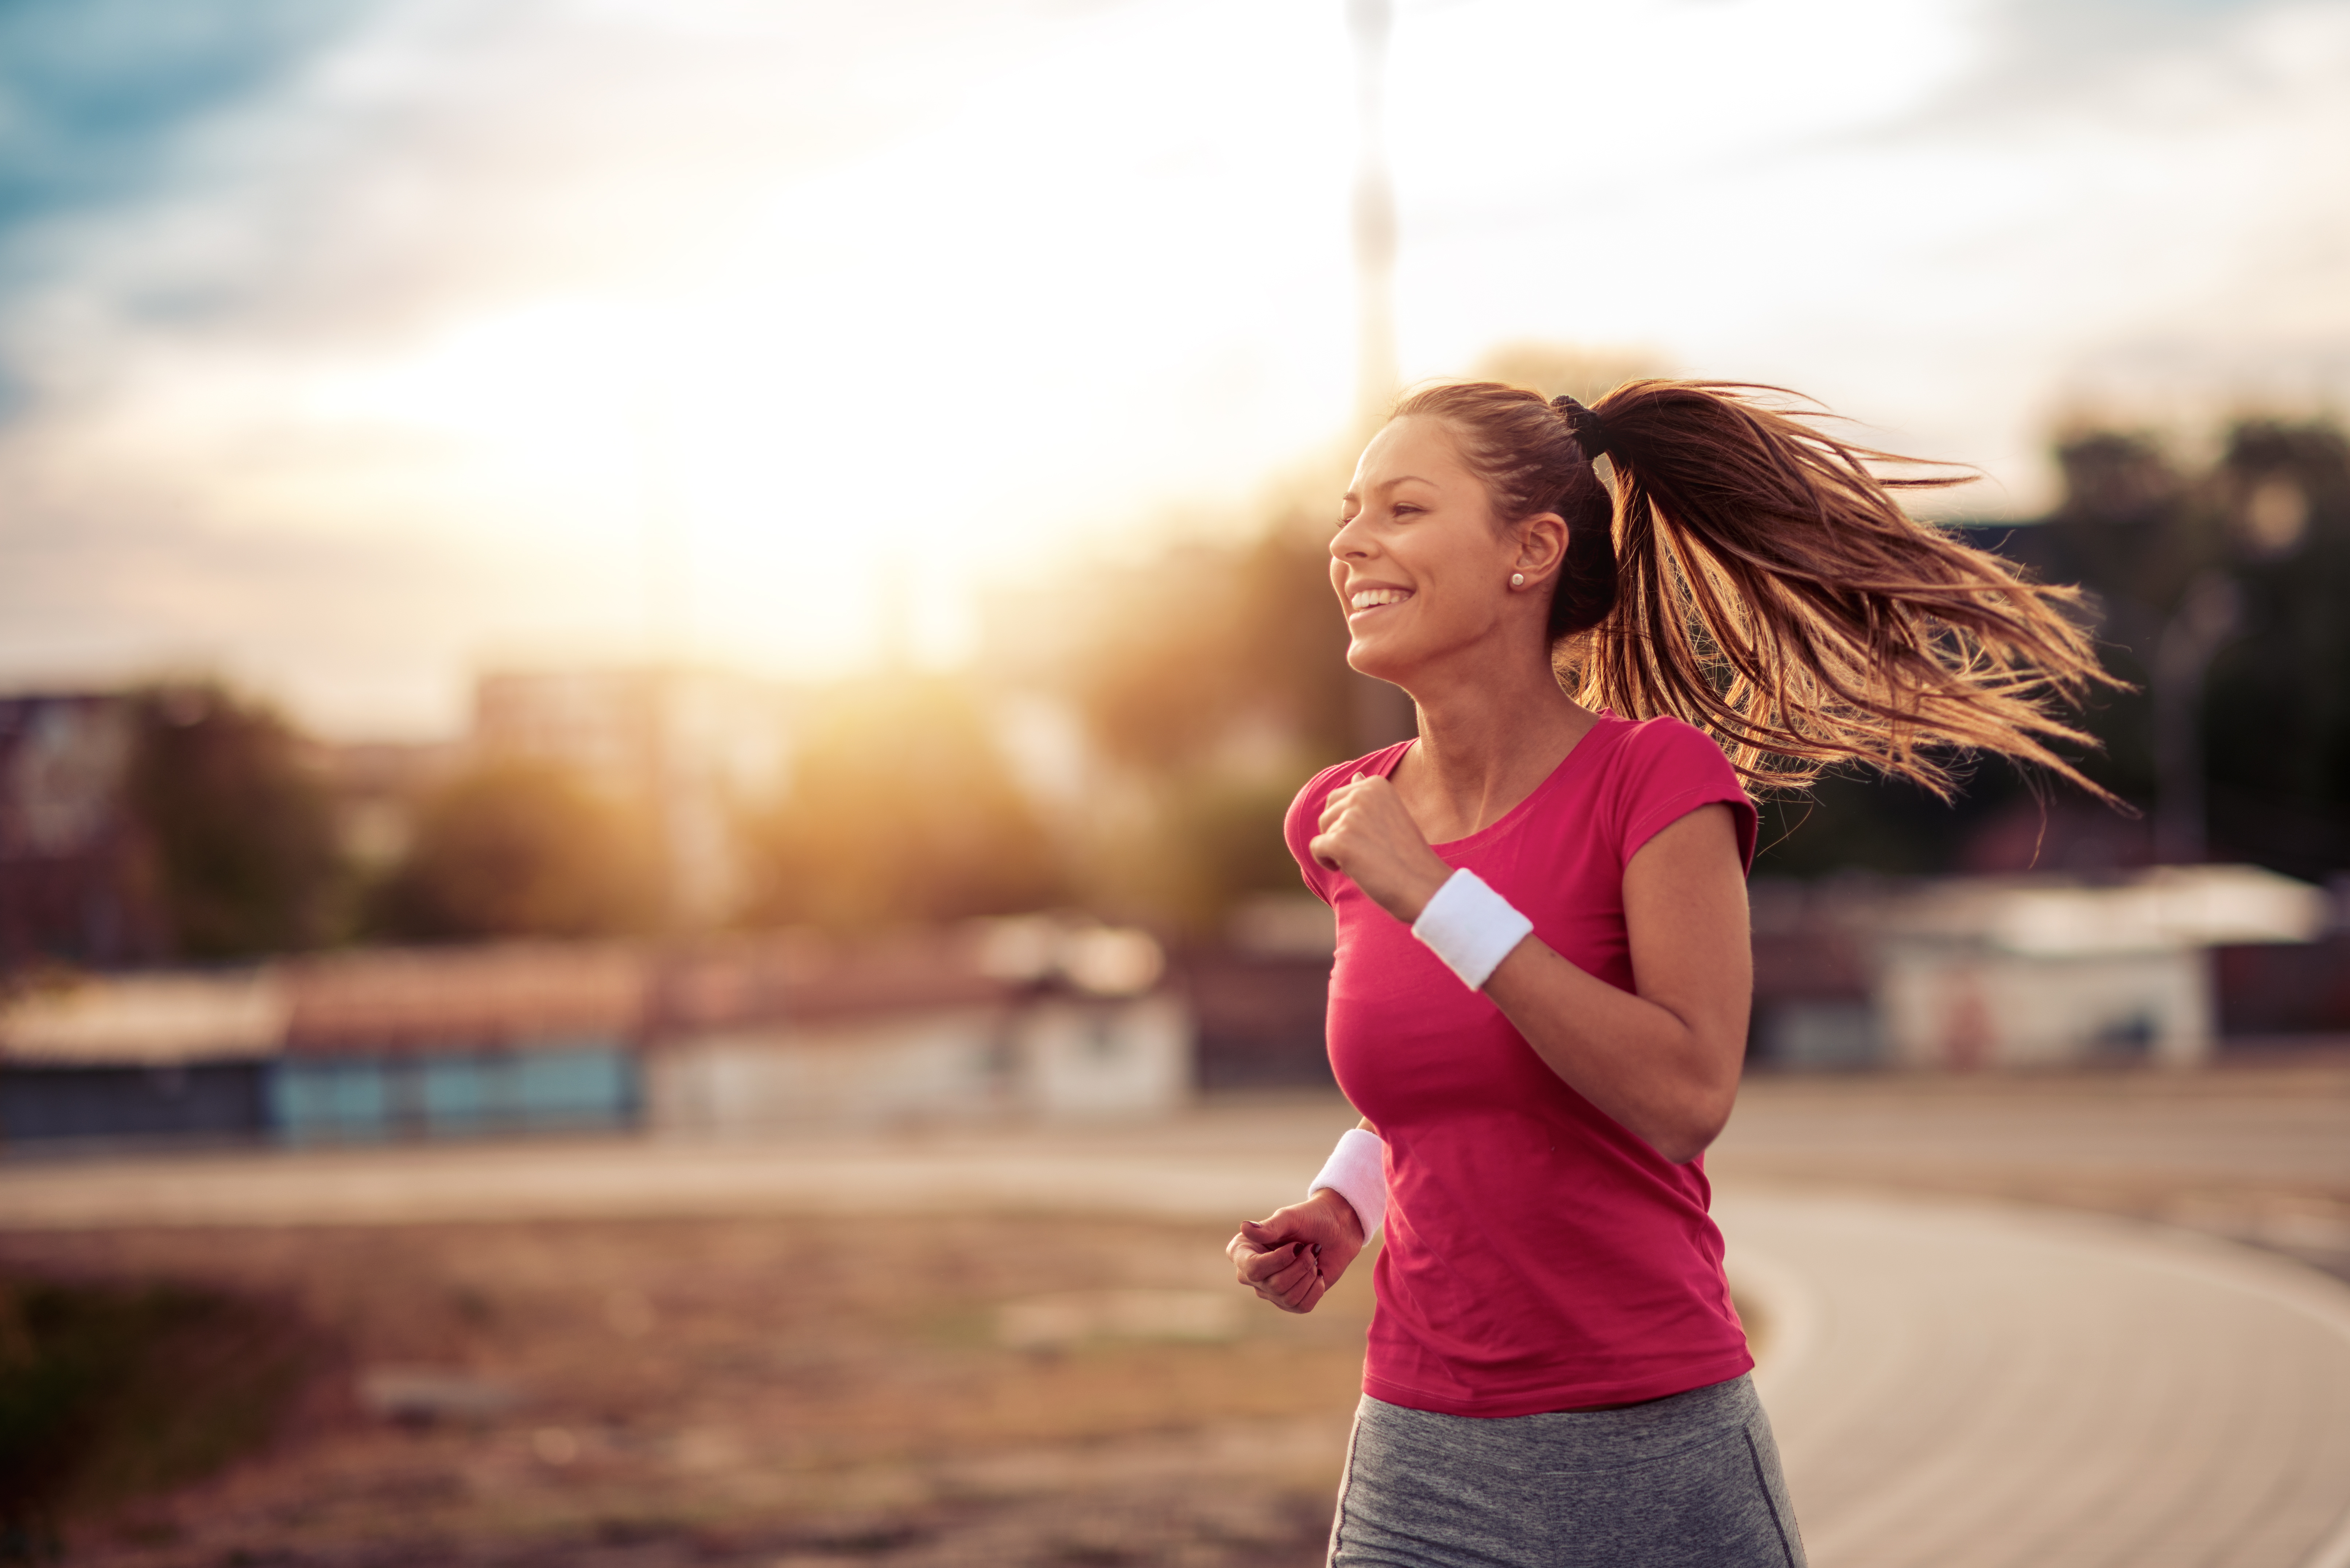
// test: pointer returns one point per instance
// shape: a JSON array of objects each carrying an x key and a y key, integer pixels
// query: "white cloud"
[{"x": 801, "y": 300}]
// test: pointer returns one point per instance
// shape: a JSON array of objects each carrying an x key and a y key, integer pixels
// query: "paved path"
[
  {"x": 2163, "y": 1131},
  {"x": 1956, "y": 1385},
  {"x": 1965, "y": 1385}
]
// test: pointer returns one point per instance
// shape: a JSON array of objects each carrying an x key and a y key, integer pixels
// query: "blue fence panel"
[
  {"x": 455, "y": 1095},
  {"x": 458, "y": 1097},
  {"x": 331, "y": 1101},
  {"x": 580, "y": 1087}
]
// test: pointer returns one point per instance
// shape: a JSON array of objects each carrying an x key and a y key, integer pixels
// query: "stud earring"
[{"x": 1517, "y": 579}]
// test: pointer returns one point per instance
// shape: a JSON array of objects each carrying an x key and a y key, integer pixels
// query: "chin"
[{"x": 1380, "y": 663}]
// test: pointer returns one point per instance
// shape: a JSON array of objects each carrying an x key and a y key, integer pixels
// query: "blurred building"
[
  {"x": 1021, "y": 1018},
  {"x": 2155, "y": 966},
  {"x": 1814, "y": 1004},
  {"x": 2279, "y": 997},
  {"x": 1028, "y": 1016},
  {"x": 73, "y": 880},
  {"x": 451, "y": 1043},
  {"x": 1261, "y": 994},
  {"x": 2041, "y": 972},
  {"x": 359, "y": 1047},
  {"x": 687, "y": 747},
  {"x": 138, "y": 1057}
]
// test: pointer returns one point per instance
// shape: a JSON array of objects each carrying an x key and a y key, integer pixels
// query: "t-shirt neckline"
[{"x": 1510, "y": 818}]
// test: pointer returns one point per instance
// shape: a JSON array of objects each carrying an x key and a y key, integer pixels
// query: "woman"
[{"x": 1540, "y": 996}]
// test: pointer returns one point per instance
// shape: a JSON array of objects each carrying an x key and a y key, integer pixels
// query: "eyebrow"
[{"x": 1399, "y": 479}]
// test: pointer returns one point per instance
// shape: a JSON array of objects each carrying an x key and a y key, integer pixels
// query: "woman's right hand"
[{"x": 1292, "y": 1256}]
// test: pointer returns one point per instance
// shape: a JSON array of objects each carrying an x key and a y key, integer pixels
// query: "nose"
[{"x": 1351, "y": 542}]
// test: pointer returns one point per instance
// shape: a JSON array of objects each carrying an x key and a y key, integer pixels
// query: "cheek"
[{"x": 1458, "y": 548}]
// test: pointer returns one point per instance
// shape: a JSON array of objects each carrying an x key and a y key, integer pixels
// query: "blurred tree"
[
  {"x": 1249, "y": 644},
  {"x": 1229, "y": 828},
  {"x": 238, "y": 826},
  {"x": 2276, "y": 712},
  {"x": 519, "y": 848},
  {"x": 2216, "y": 594},
  {"x": 899, "y": 808},
  {"x": 1210, "y": 704}
]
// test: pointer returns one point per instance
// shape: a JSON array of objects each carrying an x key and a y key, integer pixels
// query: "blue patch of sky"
[
  {"x": 96, "y": 97},
  {"x": 96, "y": 94}
]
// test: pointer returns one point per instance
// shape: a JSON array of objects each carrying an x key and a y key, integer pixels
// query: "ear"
[{"x": 1541, "y": 546}]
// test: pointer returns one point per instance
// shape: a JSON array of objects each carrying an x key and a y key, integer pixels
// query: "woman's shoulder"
[
  {"x": 1304, "y": 819},
  {"x": 1380, "y": 762},
  {"x": 1645, "y": 745},
  {"x": 1666, "y": 766}
]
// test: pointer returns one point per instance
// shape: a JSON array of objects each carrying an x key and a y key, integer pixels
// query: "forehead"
[{"x": 1413, "y": 447}]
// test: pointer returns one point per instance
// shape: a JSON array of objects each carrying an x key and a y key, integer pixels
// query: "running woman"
[{"x": 1539, "y": 1002}]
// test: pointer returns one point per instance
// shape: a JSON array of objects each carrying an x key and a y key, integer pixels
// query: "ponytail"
[{"x": 1753, "y": 575}]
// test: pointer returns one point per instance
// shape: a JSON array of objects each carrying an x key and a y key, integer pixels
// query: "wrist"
[
  {"x": 1425, "y": 885},
  {"x": 1469, "y": 927},
  {"x": 1356, "y": 1172},
  {"x": 1341, "y": 1213}
]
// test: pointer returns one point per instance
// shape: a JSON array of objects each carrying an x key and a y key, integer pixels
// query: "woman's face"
[{"x": 1418, "y": 567}]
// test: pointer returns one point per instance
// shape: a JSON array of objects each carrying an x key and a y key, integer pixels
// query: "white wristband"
[
  {"x": 1356, "y": 1172},
  {"x": 1470, "y": 928}
]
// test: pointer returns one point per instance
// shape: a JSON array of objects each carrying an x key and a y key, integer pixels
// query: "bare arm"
[{"x": 1662, "y": 1060}]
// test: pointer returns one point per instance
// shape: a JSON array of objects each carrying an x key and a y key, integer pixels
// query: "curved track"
[{"x": 1970, "y": 1385}]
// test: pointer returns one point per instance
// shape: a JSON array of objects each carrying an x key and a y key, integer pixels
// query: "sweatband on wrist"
[
  {"x": 1356, "y": 1172},
  {"x": 1470, "y": 928}
]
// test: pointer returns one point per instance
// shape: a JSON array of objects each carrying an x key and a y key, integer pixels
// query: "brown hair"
[{"x": 1754, "y": 576}]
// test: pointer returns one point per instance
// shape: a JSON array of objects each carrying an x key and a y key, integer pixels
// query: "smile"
[{"x": 1374, "y": 598}]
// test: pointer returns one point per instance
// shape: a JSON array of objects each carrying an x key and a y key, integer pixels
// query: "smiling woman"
[{"x": 1540, "y": 995}]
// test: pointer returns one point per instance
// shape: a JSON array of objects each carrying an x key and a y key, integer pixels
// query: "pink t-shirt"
[{"x": 1539, "y": 1255}]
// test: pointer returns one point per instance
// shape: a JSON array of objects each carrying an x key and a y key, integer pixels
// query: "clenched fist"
[
  {"x": 1367, "y": 833},
  {"x": 1293, "y": 1257}
]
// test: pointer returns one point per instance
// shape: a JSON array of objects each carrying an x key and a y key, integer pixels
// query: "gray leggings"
[{"x": 1690, "y": 1480}]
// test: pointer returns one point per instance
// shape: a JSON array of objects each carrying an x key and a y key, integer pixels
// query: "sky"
[{"x": 347, "y": 347}]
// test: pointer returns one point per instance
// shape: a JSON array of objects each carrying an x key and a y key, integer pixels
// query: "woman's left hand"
[
  {"x": 1297, "y": 1253},
  {"x": 1368, "y": 834}
]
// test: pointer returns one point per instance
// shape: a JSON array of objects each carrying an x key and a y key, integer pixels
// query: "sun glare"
[
  {"x": 746, "y": 331},
  {"x": 946, "y": 362}
]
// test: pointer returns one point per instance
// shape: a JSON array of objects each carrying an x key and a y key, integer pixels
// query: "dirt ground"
[
  {"x": 899, "y": 1390},
  {"x": 913, "y": 1389}
]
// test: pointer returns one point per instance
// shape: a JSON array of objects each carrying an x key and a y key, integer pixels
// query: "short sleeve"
[
  {"x": 1305, "y": 818},
  {"x": 1298, "y": 827},
  {"x": 1672, "y": 768}
]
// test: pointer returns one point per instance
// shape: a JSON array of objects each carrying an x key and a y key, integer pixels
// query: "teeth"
[{"x": 1370, "y": 596}]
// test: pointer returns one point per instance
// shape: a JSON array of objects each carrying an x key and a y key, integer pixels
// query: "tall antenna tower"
[
  {"x": 1383, "y": 713},
  {"x": 1375, "y": 219}
]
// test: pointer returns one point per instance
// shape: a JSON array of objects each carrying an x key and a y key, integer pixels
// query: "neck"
[{"x": 1490, "y": 731}]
